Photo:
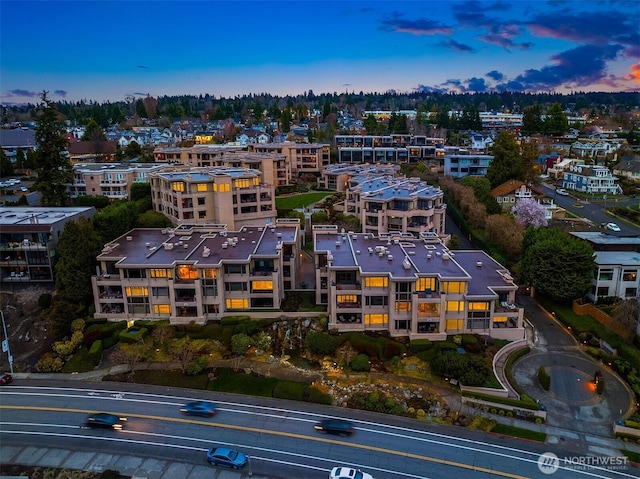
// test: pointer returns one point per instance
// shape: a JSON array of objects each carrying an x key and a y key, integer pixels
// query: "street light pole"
[{"x": 5, "y": 343}]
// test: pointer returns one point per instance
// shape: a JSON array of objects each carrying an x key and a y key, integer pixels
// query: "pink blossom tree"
[{"x": 530, "y": 213}]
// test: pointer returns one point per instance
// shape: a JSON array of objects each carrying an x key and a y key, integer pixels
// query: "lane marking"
[{"x": 382, "y": 450}]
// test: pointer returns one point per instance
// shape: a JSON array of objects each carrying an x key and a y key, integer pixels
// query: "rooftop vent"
[
  {"x": 337, "y": 244},
  {"x": 168, "y": 246},
  {"x": 390, "y": 257},
  {"x": 206, "y": 252},
  {"x": 479, "y": 264},
  {"x": 129, "y": 238}
]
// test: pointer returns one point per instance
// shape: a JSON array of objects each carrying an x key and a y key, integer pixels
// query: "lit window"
[
  {"x": 161, "y": 273},
  {"x": 237, "y": 303},
  {"x": 187, "y": 271},
  {"x": 209, "y": 273},
  {"x": 455, "y": 324},
  {"x": 478, "y": 306},
  {"x": 201, "y": 187},
  {"x": 376, "y": 282},
  {"x": 424, "y": 284},
  {"x": 177, "y": 186},
  {"x": 403, "y": 306},
  {"x": 376, "y": 319},
  {"x": 455, "y": 306},
  {"x": 262, "y": 285},
  {"x": 454, "y": 286},
  {"x": 137, "y": 291},
  {"x": 162, "y": 308},
  {"x": 347, "y": 298}
]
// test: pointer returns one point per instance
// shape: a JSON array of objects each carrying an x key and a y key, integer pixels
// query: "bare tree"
[{"x": 625, "y": 319}]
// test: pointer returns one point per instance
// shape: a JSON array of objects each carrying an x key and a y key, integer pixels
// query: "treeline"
[{"x": 254, "y": 107}]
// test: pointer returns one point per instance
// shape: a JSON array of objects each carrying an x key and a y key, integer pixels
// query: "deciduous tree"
[{"x": 530, "y": 213}]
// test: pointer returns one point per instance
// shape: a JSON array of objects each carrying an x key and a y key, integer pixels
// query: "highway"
[{"x": 277, "y": 435}]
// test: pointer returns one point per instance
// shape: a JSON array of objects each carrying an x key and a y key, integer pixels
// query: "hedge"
[
  {"x": 292, "y": 390},
  {"x": 419, "y": 345},
  {"x": 126, "y": 336},
  {"x": 500, "y": 400},
  {"x": 233, "y": 320},
  {"x": 95, "y": 352},
  {"x": 80, "y": 362},
  {"x": 543, "y": 378},
  {"x": 318, "y": 397}
]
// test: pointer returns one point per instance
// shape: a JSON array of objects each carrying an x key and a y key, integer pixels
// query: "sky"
[{"x": 115, "y": 50}]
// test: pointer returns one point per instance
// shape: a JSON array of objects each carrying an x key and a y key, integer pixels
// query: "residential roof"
[
  {"x": 507, "y": 187},
  {"x": 17, "y": 138}
]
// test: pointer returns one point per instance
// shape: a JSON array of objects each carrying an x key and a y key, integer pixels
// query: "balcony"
[
  {"x": 347, "y": 286},
  {"x": 349, "y": 318},
  {"x": 348, "y": 305}
]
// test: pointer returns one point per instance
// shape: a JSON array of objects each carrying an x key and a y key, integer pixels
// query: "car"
[
  {"x": 612, "y": 227},
  {"x": 105, "y": 420},
  {"x": 335, "y": 426},
  {"x": 6, "y": 379},
  {"x": 221, "y": 456},
  {"x": 562, "y": 191},
  {"x": 348, "y": 473},
  {"x": 544, "y": 176},
  {"x": 24, "y": 188},
  {"x": 199, "y": 408}
]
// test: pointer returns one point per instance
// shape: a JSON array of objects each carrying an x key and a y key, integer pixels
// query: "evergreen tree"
[
  {"x": 371, "y": 124},
  {"x": 78, "y": 247},
  {"x": 285, "y": 120},
  {"x": 532, "y": 120},
  {"x": 6, "y": 167},
  {"x": 507, "y": 162},
  {"x": 20, "y": 159},
  {"x": 555, "y": 122},
  {"x": 52, "y": 165},
  {"x": 93, "y": 132}
]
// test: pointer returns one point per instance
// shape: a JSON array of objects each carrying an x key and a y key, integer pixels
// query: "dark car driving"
[
  {"x": 199, "y": 408},
  {"x": 6, "y": 379},
  {"x": 105, "y": 420},
  {"x": 335, "y": 426}
]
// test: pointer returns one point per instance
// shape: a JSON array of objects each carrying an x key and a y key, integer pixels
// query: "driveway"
[{"x": 574, "y": 408}]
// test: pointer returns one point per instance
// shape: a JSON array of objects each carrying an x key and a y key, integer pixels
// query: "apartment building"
[
  {"x": 112, "y": 180},
  {"x": 416, "y": 287},
  {"x": 385, "y": 204},
  {"x": 195, "y": 274},
  {"x": 230, "y": 196},
  {"x": 461, "y": 164},
  {"x": 28, "y": 240},
  {"x": 338, "y": 176},
  {"x": 276, "y": 168},
  {"x": 395, "y": 149},
  {"x": 303, "y": 157}
]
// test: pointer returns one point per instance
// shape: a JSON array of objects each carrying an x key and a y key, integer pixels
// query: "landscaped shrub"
[
  {"x": 392, "y": 349},
  {"x": 600, "y": 385},
  {"x": 445, "y": 346},
  {"x": 196, "y": 366},
  {"x": 95, "y": 352},
  {"x": 469, "y": 370},
  {"x": 80, "y": 362},
  {"x": 133, "y": 335},
  {"x": 427, "y": 356},
  {"x": 543, "y": 378},
  {"x": 44, "y": 301},
  {"x": 292, "y": 390},
  {"x": 249, "y": 327},
  {"x": 418, "y": 345},
  {"x": 233, "y": 320},
  {"x": 240, "y": 343},
  {"x": 361, "y": 363},
  {"x": 320, "y": 343},
  {"x": 316, "y": 396}
]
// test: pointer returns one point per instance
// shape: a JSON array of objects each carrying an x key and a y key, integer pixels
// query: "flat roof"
[
  {"x": 601, "y": 237},
  {"x": 626, "y": 258},
  {"x": 29, "y": 215}
]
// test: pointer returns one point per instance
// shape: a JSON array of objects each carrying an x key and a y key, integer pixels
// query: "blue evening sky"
[{"x": 111, "y": 50}]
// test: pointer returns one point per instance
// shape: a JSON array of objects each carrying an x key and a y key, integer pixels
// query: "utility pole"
[{"x": 5, "y": 343}]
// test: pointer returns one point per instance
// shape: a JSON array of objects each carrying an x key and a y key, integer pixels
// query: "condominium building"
[
  {"x": 463, "y": 164},
  {"x": 338, "y": 176},
  {"x": 276, "y": 168},
  {"x": 394, "y": 149},
  {"x": 385, "y": 204},
  {"x": 112, "y": 180},
  {"x": 28, "y": 241},
  {"x": 303, "y": 157},
  {"x": 196, "y": 274},
  {"x": 615, "y": 275},
  {"x": 230, "y": 196},
  {"x": 407, "y": 286}
]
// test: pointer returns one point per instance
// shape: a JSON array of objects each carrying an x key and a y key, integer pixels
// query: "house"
[
  {"x": 252, "y": 136},
  {"x": 101, "y": 151},
  {"x": 463, "y": 164},
  {"x": 616, "y": 274},
  {"x": 17, "y": 139},
  {"x": 629, "y": 168},
  {"x": 510, "y": 192},
  {"x": 591, "y": 179},
  {"x": 480, "y": 142}
]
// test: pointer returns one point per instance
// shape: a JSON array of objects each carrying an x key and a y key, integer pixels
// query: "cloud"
[
  {"x": 476, "y": 84},
  {"x": 430, "y": 89},
  {"x": 18, "y": 92},
  {"x": 580, "y": 66},
  {"x": 459, "y": 47},
  {"x": 144, "y": 67},
  {"x": 495, "y": 75},
  {"x": 420, "y": 26},
  {"x": 61, "y": 93},
  {"x": 634, "y": 73}
]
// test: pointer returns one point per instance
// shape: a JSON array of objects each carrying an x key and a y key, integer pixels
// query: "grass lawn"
[
  {"x": 241, "y": 383},
  {"x": 300, "y": 201},
  {"x": 171, "y": 378},
  {"x": 519, "y": 432},
  {"x": 633, "y": 456}
]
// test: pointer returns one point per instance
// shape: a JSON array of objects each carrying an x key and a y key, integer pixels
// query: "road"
[{"x": 158, "y": 442}]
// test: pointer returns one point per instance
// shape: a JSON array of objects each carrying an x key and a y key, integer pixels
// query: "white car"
[
  {"x": 562, "y": 191},
  {"x": 348, "y": 473},
  {"x": 612, "y": 227},
  {"x": 24, "y": 188},
  {"x": 544, "y": 177}
]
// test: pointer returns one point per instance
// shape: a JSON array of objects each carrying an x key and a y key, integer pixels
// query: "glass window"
[
  {"x": 424, "y": 284},
  {"x": 262, "y": 285},
  {"x": 237, "y": 303},
  {"x": 187, "y": 271},
  {"x": 376, "y": 319},
  {"x": 137, "y": 291},
  {"x": 454, "y": 306},
  {"x": 209, "y": 273},
  {"x": 376, "y": 300},
  {"x": 455, "y": 325},
  {"x": 376, "y": 282},
  {"x": 454, "y": 287},
  {"x": 201, "y": 187},
  {"x": 403, "y": 306},
  {"x": 177, "y": 186},
  {"x": 161, "y": 273},
  {"x": 235, "y": 286},
  {"x": 606, "y": 275},
  {"x": 630, "y": 292},
  {"x": 478, "y": 306},
  {"x": 629, "y": 275},
  {"x": 162, "y": 308},
  {"x": 234, "y": 269}
]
